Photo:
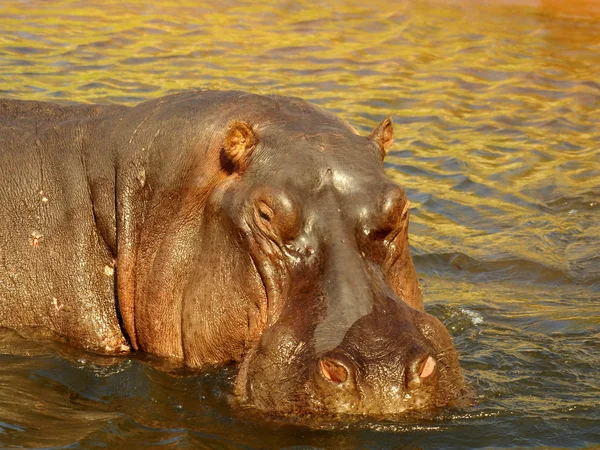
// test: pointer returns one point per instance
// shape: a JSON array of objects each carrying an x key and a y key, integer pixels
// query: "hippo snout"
[
  {"x": 381, "y": 367},
  {"x": 374, "y": 387}
]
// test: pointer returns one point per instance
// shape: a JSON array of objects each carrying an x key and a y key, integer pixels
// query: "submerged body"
[{"x": 217, "y": 227}]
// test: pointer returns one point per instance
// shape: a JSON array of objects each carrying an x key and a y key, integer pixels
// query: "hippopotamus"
[{"x": 217, "y": 228}]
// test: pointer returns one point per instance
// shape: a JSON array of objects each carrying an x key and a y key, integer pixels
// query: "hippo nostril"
[
  {"x": 427, "y": 367},
  {"x": 333, "y": 370},
  {"x": 420, "y": 369}
]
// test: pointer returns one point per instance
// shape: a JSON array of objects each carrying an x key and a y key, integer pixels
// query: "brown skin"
[{"x": 217, "y": 227}]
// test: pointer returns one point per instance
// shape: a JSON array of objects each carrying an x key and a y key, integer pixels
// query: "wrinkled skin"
[{"x": 215, "y": 227}]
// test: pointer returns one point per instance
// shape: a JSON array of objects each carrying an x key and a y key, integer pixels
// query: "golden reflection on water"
[{"x": 496, "y": 107}]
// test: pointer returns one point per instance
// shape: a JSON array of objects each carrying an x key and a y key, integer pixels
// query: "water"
[{"x": 498, "y": 144}]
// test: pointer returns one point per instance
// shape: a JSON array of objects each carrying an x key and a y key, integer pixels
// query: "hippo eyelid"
[
  {"x": 276, "y": 216},
  {"x": 393, "y": 234},
  {"x": 405, "y": 211},
  {"x": 265, "y": 212}
]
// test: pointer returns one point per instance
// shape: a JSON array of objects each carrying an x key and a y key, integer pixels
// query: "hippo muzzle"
[{"x": 384, "y": 366}]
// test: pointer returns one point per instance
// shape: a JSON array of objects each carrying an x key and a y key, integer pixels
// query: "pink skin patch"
[
  {"x": 333, "y": 371},
  {"x": 427, "y": 368},
  {"x": 35, "y": 238}
]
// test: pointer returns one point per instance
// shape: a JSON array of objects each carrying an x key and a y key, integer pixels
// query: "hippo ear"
[
  {"x": 238, "y": 145},
  {"x": 384, "y": 135}
]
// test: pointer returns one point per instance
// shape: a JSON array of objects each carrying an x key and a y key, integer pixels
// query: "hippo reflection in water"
[{"x": 214, "y": 227}]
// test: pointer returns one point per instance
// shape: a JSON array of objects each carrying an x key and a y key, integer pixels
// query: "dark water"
[{"x": 498, "y": 126}]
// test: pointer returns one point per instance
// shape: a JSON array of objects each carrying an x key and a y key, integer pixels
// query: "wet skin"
[{"x": 216, "y": 227}]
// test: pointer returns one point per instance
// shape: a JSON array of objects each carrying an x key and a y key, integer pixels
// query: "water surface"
[{"x": 498, "y": 145}]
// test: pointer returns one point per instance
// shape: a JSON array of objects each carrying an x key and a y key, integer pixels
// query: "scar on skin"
[
  {"x": 141, "y": 177},
  {"x": 43, "y": 196},
  {"x": 115, "y": 344},
  {"x": 58, "y": 306},
  {"x": 35, "y": 238}
]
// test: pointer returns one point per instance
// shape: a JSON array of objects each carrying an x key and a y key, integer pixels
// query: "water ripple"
[{"x": 497, "y": 144}]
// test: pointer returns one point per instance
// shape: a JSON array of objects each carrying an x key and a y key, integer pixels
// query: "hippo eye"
[
  {"x": 277, "y": 216},
  {"x": 393, "y": 212},
  {"x": 265, "y": 212}
]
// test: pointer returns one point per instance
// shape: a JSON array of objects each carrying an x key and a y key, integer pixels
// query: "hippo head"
[
  {"x": 305, "y": 263},
  {"x": 344, "y": 326}
]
